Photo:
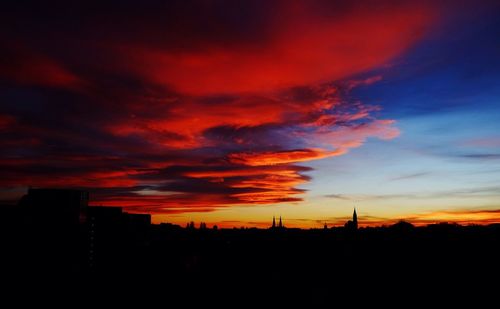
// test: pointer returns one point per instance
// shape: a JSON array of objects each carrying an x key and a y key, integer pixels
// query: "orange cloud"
[
  {"x": 281, "y": 157},
  {"x": 280, "y": 170},
  {"x": 481, "y": 216}
]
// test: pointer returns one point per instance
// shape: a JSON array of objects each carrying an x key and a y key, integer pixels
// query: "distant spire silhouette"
[
  {"x": 355, "y": 219},
  {"x": 352, "y": 225},
  {"x": 279, "y": 225}
]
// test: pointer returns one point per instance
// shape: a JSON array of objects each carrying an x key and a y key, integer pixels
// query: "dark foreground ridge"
[{"x": 54, "y": 234}]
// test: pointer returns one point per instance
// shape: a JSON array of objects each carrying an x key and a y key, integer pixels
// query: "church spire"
[
  {"x": 274, "y": 222},
  {"x": 281, "y": 223},
  {"x": 355, "y": 219}
]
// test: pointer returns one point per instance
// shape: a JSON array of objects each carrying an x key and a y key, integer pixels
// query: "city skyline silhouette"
[
  {"x": 105, "y": 245},
  {"x": 248, "y": 153}
]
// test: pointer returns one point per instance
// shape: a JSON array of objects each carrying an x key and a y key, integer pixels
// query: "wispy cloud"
[
  {"x": 338, "y": 196},
  {"x": 369, "y": 196},
  {"x": 410, "y": 176},
  {"x": 485, "y": 142},
  {"x": 480, "y": 156}
]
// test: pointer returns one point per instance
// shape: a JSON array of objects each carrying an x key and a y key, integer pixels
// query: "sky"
[{"x": 232, "y": 112}]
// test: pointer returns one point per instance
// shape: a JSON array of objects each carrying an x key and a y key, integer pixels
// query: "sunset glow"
[{"x": 230, "y": 112}]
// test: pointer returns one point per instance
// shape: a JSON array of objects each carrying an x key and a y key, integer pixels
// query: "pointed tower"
[
  {"x": 355, "y": 219},
  {"x": 274, "y": 223},
  {"x": 280, "y": 224}
]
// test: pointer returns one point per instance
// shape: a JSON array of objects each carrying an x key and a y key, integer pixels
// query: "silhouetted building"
[
  {"x": 274, "y": 222},
  {"x": 105, "y": 230},
  {"x": 169, "y": 227},
  {"x": 352, "y": 225},
  {"x": 10, "y": 216},
  {"x": 137, "y": 222},
  {"x": 111, "y": 231},
  {"x": 104, "y": 217},
  {"x": 112, "y": 234},
  {"x": 11, "y": 232},
  {"x": 402, "y": 226},
  {"x": 54, "y": 220},
  {"x": 56, "y": 206}
]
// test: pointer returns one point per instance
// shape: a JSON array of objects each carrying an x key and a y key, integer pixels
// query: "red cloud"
[
  {"x": 27, "y": 67},
  {"x": 184, "y": 120},
  {"x": 303, "y": 46},
  {"x": 191, "y": 112},
  {"x": 6, "y": 121},
  {"x": 260, "y": 172}
]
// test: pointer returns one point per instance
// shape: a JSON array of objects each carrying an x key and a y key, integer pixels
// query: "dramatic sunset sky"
[{"x": 230, "y": 112}]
